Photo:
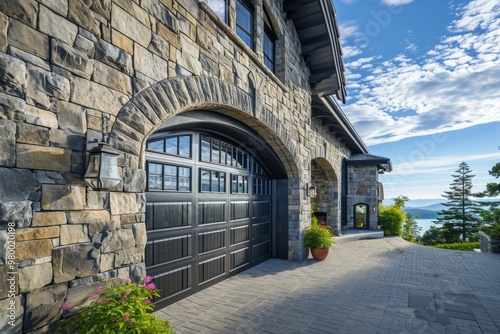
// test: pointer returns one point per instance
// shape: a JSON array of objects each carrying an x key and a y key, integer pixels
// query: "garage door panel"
[
  {"x": 171, "y": 214},
  {"x": 211, "y": 240},
  {"x": 261, "y": 209},
  {"x": 212, "y": 212},
  {"x": 239, "y": 234},
  {"x": 175, "y": 281},
  {"x": 211, "y": 269},
  {"x": 240, "y": 258},
  {"x": 171, "y": 249},
  {"x": 261, "y": 251},
  {"x": 240, "y": 210},
  {"x": 260, "y": 230}
]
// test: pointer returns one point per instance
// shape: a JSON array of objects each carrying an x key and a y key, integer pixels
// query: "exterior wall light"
[
  {"x": 102, "y": 169},
  {"x": 312, "y": 191}
]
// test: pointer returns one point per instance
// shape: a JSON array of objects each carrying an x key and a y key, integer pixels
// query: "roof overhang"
[
  {"x": 383, "y": 164},
  {"x": 319, "y": 35},
  {"x": 326, "y": 109}
]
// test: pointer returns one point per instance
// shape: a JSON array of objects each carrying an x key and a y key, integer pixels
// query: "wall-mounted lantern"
[
  {"x": 102, "y": 168},
  {"x": 312, "y": 191}
]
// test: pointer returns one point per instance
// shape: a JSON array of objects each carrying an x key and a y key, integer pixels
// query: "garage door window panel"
[
  {"x": 174, "y": 145},
  {"x": 166, "y": 177},
  {"x": 212, "y": 181}
]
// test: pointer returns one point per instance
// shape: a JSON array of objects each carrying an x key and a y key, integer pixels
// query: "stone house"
[{"x": 225, "y": 117}]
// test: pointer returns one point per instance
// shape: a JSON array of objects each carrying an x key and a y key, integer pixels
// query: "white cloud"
[
  {"x": 350, "y": 51},
  {"x": 434, "y": 165},
  {"x": 396, "y": 2},
  {"x": 456, "y": 85},
  {"x": 411, "y": 47}
]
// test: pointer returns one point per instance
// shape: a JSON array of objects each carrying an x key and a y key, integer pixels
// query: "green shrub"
[
  {"x": 391, "y": 218},
  {"x": 462, "y": 246},
  {"x": 118, "y": 308},
  {"x": 409, "y": 238},
  {"x": 493, "y": 231},
  {"x": 318, "y": 236}
]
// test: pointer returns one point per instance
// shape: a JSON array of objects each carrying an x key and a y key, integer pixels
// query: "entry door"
[
  {"x": 361, "y": 216},
  {"x": 208, "y": 212}
]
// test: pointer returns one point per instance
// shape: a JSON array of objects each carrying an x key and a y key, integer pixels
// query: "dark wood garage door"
[{"x": 208, "y": 212}]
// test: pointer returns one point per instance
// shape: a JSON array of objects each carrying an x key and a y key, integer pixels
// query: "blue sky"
[{"x": 423, "y": 85}]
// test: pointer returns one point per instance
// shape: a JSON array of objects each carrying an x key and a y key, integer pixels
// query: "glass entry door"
[{"x": 361, "y": 216}]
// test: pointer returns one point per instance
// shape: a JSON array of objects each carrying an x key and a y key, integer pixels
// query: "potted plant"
[
  {"x": 118, "y": 308},
  {"x": 318, "y": 237}
]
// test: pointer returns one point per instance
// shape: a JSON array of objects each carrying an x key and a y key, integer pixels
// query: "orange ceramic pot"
[{"x": 319, "y": 253}]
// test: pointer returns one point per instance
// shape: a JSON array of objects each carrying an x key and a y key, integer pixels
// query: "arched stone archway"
[
  {"x": 150, "y": 108},
  {"x": 325, "y": 180},
  {"x": 194, "y": 96}
]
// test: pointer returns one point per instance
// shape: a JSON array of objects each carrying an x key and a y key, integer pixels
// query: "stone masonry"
[
  {"x": 72, "y": 71},
  {"x": 363, "y": 189}
]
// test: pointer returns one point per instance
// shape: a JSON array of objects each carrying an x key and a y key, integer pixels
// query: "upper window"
[
  {"x": 269, "y": 43},
  {"x": 219, "y": 152},
  {"x": 177, "y": 145},
  {"x": 257, "y": 168},
  {"x": 168, "y": 177},
  {"x": 220, "y": 8},
  {"x": 244, "y": 21}
]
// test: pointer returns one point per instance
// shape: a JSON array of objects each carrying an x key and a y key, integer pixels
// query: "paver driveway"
[{"x": 370, "y": 286}]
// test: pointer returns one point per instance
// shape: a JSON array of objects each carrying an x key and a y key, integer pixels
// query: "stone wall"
[
  {"x": 72, "y": 71},
  {"x": 362, "y": 189},
  {"x": 488, "y": 244}
]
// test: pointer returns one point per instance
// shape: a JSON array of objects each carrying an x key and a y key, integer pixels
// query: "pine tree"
[
  {"x": 460, "y": 218},
  {"x": 491, "y": 216},
  {"x": 411, "y": 230}
]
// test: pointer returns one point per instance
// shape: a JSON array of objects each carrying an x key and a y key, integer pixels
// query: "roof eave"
[{"x": 320, "y": 41}]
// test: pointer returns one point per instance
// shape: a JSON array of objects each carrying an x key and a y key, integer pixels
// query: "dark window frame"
[
  {"x": 269, "y": 34},
  {"x": 226, "y": 10},
  {"x": 244, "y": 178},
  {"x": 178, "y": 150},
  {"x": 240, "y": 29},
  {"x": 261, "y": 186},
  {"x": 163, "y": 174},
  {"x": 222, "y": 175}
]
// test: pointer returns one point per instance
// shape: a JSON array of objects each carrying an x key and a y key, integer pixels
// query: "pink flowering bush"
[{"x": 118, "y": 308}]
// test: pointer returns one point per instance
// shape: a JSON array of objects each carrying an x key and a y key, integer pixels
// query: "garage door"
[{"x": 208, "y": 212}]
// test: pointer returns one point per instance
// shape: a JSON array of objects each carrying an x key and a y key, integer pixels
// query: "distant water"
[{"x": 425, "y": 224}]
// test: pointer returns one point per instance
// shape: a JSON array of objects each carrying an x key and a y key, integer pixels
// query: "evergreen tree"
[
  {"x": 460, "y": 218},
  {"x": 411, "y": 230},
  {"x": 491, "y": 216},
  {"x": 493, "y": 189},
  {"x": 432, "y": 236}
]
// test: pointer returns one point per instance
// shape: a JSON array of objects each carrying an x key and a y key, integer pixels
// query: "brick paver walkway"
[{"x": 371, "y": 286}]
